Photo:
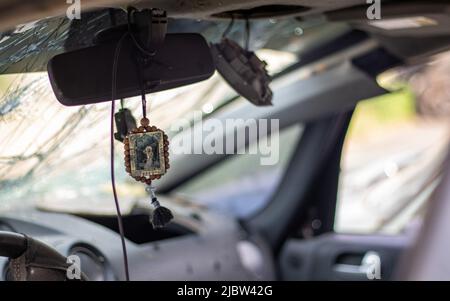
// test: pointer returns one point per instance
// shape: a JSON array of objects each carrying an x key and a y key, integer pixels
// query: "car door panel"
[{"x": 334, "y": 256}]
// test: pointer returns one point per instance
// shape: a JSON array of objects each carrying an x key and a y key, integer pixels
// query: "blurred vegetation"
[
  {"x": 382, "y": 112},
  {"x": 5, "y": 82}
]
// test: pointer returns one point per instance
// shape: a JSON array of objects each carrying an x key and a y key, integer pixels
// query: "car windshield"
[{"x": 56, "y": 155}]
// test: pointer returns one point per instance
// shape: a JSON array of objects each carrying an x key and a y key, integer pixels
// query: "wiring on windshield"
[
  {"x": 113, "y": 180},
  {"x": 247, "y": 34},
  {"x": 228, "y": 29}
]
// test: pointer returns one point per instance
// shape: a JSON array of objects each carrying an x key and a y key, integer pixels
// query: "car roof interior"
[{"x": 407, "y": 43}]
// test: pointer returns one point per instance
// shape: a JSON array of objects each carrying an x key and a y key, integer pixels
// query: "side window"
[
  {"x": 390, "y": 165},
  {"x": 240, "y": 185}
]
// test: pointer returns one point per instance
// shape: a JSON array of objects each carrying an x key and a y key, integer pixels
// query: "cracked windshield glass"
[{"x": 56, "y": 157}]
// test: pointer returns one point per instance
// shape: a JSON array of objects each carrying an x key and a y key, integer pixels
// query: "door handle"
[{"x": 370, "y": 264}]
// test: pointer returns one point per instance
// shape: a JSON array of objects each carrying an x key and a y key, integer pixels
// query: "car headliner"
[
  {"x": 352, "y": 12},
  {"x": 14, "y": 12}
]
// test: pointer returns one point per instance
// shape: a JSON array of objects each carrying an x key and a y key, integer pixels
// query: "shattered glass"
[{"x": 52, "y": 152}]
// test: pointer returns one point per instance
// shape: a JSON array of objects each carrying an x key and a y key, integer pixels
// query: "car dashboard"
[{"x": 208, "y": 247}]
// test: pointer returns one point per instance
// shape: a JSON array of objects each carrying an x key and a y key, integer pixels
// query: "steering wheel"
[{"x": 32, "y": 260}]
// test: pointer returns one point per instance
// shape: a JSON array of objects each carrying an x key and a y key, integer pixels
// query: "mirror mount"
[
  {"x": 151, "y": 27},
  {"x": 148, "y": 28}
]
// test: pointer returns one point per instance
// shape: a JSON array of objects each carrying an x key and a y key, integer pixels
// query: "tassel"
[{"x": 161, "y": 215}]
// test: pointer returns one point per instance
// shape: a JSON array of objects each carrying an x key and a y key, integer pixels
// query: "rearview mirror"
[{"x": 85, "y": 76}]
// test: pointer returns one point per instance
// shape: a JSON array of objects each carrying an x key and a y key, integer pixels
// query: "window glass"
[{"x": 390, "y": 166}]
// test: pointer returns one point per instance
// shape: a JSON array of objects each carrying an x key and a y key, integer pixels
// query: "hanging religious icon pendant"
[{"x": 146, "y": 152}]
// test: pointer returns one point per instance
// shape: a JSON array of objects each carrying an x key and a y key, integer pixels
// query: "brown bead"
[
  {"x": 153, "y": 128},
  {"x": 148, "y": 128},
  {"x": 127, "y": 152},
  {"x": 167, "y": 165},
  {"x": 145, "y": 122},
  {"x": 166, "y": 148}
]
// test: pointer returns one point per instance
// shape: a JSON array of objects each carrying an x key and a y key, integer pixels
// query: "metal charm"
[{"x": 146, "y": 152}]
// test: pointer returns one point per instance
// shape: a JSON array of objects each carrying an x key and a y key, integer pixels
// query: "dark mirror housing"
[
  {"x": 243, "y": 71},
  {"x": 85, "y": 76}
]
